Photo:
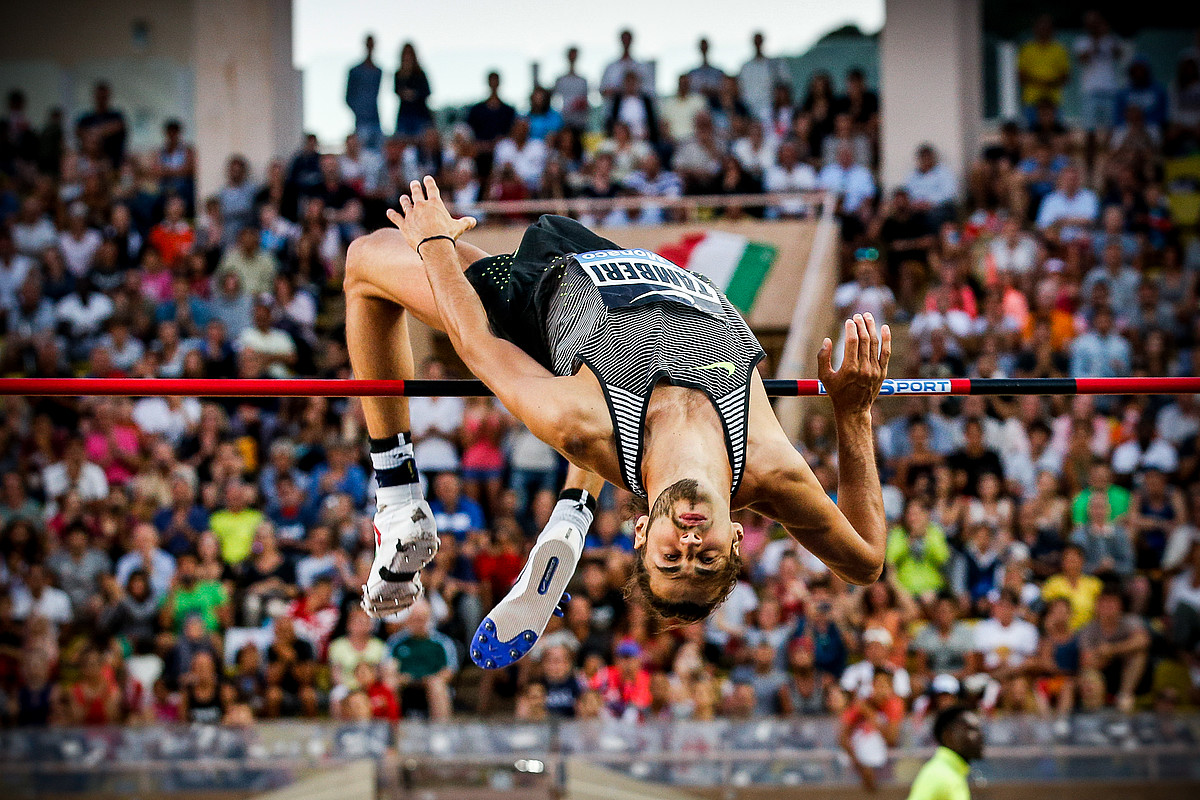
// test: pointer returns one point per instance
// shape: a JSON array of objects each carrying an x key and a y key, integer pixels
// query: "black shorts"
[{"x": 516, "y": 289}]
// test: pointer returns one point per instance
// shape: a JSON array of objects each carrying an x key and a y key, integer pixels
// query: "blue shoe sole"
[{"x": 514, "y": 625}]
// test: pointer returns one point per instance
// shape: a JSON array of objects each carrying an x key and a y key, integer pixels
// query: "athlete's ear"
[
  {"x": 738, "y": 533},
  {"x": 640, "y": 528}
]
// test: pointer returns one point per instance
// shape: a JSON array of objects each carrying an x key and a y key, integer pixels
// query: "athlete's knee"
[{"x": 370, "y": 253}]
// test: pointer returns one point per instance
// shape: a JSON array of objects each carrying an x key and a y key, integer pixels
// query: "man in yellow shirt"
[
  {"x": 1043, "y": 66},
  {"x": 959, "y": 734},
  {"x": 1079, "y": 590}
]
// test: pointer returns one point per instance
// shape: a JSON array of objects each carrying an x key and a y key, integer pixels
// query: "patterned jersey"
[{"x": 636, "y": 319}]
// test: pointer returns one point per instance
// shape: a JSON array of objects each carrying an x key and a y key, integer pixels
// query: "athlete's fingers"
[
  {"x": 850, "y": 352},
  {"x": 431, "y": 188},
  {"x": 885, "y": 354},
  {"x": 406, "y": 204},
  {"x": 464, "y": 224},
  {"x": 395, "y": 217},
  {"x": 417, "y": 190},
  {"x": 872, "y": 339},
  {"x": 824, "y": 356},
  {"x": 864, "y": 340}
]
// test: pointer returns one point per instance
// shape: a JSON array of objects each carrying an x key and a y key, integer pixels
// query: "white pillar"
[
  {"x": 247, "y": 91},
  {"x": 931, "y": 81}
]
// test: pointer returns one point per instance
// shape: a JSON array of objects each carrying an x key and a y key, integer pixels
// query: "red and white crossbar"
[{"x": 306, "y": 387}]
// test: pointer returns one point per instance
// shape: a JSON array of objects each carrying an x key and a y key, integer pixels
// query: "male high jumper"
[{"x": 640, "y": 373}]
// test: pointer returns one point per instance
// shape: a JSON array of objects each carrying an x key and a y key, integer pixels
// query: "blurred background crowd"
[{"x": 186, "y": 559}]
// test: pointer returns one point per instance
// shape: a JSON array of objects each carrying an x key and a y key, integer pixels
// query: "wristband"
[{"x": 430, "y": 239}]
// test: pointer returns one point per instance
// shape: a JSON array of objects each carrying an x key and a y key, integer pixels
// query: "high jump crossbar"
[{"x": 776, "y": 387}]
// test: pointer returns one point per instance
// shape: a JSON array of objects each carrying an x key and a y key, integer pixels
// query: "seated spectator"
[
  {"x": 273, "y": 345},
  {"x": 870, "y": 725},
  {"x": 235, "y": 523},
  {"x": 454, "y": 512},
  {"x": 1183, "y": 605},
  {"x": 190, "y": 595},
  {"x": 1005, "y": 642},
  {"x": 78, "y": 569},
  {"x": 202, "y": 688},
  {"x": 789, "y": 174},
  {"x": 1072, "y": 585},
  {"x": 559, "y": 681},
  {"x": 849, "y": 182},
  {"x": 946, "y": 645},
  {"x": 829, "y": 644},
  {"x": 1145, "y": 451},
  {"x": 254, "y": 267},
  {"x": 1057, "y": 661},
  {"x": 918, "y": 553},
  {"x": 266, "y": 577},
  {"x": 1108, "y": 551},
  {"x": 357, "y": 646},
  {"x": 95, "y": 698},
  {"x": 932, "y": 187},
  {"x": 764, "y": 677},
  {"x": 651, "y": 181},
  {"x": 858, "y": 679},
  {"x": 807, "y": 692},
  {"x": 232, "y": 307},
  {"x": 1144, "y": 93},
  {"x": 526, "y": 153},
  {"x": 975, "y": 458},
  {"x": 426, "y": 662},
  {"x": 1116, "y": 644},
  {"x": 625, "y": 685},
  {"x": 36, "y": 596},
  {"x": 314, "y": 615},
  {"x": 291, "y": 672},
  {"x": 1100, "y": 481},
  {"x": 1071, "y": 208},
  {"x": 698, "y": 159}
]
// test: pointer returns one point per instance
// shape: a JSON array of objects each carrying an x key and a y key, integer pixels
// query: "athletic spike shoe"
[
  {"x": 513, "y": 627},
  {"x": 405, "y": 541}
]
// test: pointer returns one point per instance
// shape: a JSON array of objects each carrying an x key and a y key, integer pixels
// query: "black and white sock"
[
  {"x": 395, "y": 470},
  {"x": 576, "y": 507}
]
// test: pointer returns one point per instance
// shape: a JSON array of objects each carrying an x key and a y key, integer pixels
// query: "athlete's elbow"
[{"x": 868, "y": 570}]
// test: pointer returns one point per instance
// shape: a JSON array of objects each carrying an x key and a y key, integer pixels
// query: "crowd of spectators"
[{"x": 179, "y": 558}]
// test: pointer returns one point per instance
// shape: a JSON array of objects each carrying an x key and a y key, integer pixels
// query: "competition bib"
[{"x": 629, "y": 278}]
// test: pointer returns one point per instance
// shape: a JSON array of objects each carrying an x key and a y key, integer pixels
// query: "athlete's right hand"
[
  {"x": 864, "y": 365},
  {"x": 423, "y": 214}
]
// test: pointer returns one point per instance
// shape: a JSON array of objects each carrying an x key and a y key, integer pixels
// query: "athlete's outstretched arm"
[
  {"x": 852, "y": 389},
  {"x": 524, "y": 386}
]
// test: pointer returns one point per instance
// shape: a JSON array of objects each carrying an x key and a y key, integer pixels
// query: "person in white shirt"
[
  {"x": 528, "y": 156},
  {"x": 789, "y": 174},
  {"x": 1005, "y": 641},
  {"x": 932, "y": 187},
  {"x": 33, "y": 231},
  {"x": 1178, "y": 421},
  {"x": 851, "y": 182},
  {"x": 144, "y": 554},
  {"x": 436, "y": 425},
  {"x": 75, "y": 473},
  {"x": 274, "y": 345},
  {"x": 37, "y": 597},
  {"x": 1145, "y": 451},
  {"x": 680, "y": 111},
  {"x": 614, "y": 74},
  {"x": 1013, "y": 250},
  {"x": 1070, "y": 206},
  {"x": 79, "y": 243},
  {"x": 858, "y": 677},
  {"x": 758, "y": 150},
  {"x": 865, "y": 294},
  {"x": 758, "y": 78},
  {"x": 1100, "y": 54}
]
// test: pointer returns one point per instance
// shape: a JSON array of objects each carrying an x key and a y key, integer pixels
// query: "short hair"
[{"x": 946, "y": 719}]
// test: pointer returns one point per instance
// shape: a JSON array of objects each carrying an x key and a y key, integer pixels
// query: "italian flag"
[{"x": 735, "y": 264}]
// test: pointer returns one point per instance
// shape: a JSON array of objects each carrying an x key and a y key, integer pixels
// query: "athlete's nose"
[{"x": 690, "y": 536}]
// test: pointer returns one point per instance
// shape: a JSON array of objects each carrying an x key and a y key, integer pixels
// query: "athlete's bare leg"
[{"x": 385, "y": 282}]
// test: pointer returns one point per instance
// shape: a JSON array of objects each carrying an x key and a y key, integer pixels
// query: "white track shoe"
[
  {"x": 513, "y": 627},
  {"x": 405, "y": 541}
]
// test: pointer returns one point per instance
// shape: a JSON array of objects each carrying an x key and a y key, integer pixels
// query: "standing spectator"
[
  {"x": 759, "y": 77},
  {"x": 705, "y": 79},
  {"x": 412, "y": 88},
  {"x": 1143, "y": 92},
  {"x": 613, "y": 79},
  {"x": 106, "y": 125},
  {"x": 1116, "y": 644},
  {"x": 1101, "y": 352},
  {"x": 490, "y": 120},
  {"x": 177, "y": 166},
  {"x": 571, "y": 89},
  {"x": 932, "y": 187},
  {"x": 362, "y": 96},
  {"x": 1099, "y": 53},
  {"x": 1043, "y": 67},
  {"x": 870, "y": 725}
]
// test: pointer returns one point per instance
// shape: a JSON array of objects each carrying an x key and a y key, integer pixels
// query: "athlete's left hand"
[
  {"x": 424, "y": 214},
  {"x": 864, "y": 365}
]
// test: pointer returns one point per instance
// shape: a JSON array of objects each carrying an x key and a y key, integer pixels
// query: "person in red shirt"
[
  {"x": 174, "y": 236},
  {"x": 498, "y": 566},
  {"x": 626, "y": 686},
  {"x": 384, "y": 704},
  {"x": 870, "y": 726},
  {"x": 314, "y": 614}
]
